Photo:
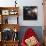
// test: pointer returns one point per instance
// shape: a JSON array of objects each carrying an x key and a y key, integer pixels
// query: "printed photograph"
[{"x": 30, "y": 13}]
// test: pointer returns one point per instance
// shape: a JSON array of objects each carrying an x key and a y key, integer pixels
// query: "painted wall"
[
  {"x": 37, "y": 3},
  {"x": 7, "y": 3},
  {"x": 22, "y": 3},
  {"x": 37, "y": 29}
]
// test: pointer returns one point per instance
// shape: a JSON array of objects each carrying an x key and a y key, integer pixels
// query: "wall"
[
  {"x": 7, "y": 3},
  {"x": 36, "y": 29},
  {"x": 22, "y": 3},
  {"x": 37, "y": 3}
]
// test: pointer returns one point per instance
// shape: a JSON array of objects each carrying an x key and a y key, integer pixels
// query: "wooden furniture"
[
  {"x": 10, "y": 43},
  {"x": 5, "y": 13}
]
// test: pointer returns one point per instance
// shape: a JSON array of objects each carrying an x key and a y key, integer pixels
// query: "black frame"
[{"x": 29, "y": 14}]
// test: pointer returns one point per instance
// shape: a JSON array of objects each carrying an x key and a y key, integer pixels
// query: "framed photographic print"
[
  {"x": 5, "y": 12},
  {"x": 30, "y": 12}
]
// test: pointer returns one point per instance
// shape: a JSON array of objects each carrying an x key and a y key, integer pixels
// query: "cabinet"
[{"x": 9, "y": 26}]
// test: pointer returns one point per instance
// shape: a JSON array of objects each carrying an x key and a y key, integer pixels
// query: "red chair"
[{"x": 29, "y": 33}]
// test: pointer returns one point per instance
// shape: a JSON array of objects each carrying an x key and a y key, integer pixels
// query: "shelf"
[
  {"x": 10, "y": 41},
  {"x": 6, "y": 12},
  {"x": 4, "y": 8},
  {"x": 11, "y": 26},
  {"x": 9, "y": 20},
  {"x": 9, "y": 10}
]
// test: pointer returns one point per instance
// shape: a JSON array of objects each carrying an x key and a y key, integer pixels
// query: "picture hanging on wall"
[{"x": 30, "y": 13}]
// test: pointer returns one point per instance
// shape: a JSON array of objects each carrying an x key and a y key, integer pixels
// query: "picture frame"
[
  {"x": 13, "y": 12},
  {"x": 5, "y": 12},
  {"x": 30, "y": 12}
]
